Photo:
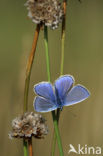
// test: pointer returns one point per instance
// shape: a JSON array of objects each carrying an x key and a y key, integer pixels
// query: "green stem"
[
  {"x": 47, "y": 52},
  {"x": 54, "y": 134},
  {"x": 62, "y": 66},
  {"x": 62, "y": 44},
  {"x": 62, "y": 53},
  {"x": 48, "y": 73},
  {"x": 53, "y": 144},
  {"x": 55, "y": 120},
  {"x": 25, "y": 145}
]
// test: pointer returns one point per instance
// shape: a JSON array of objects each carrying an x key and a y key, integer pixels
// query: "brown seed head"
[
  {"x": 28, "y": 125},
  {"x": 48, "y": 12}
]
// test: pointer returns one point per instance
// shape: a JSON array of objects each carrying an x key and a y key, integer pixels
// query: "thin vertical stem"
[
  {"x": 29, "y": 67},
  {"x": 30, "y": 147},
  {"x": 62, "y": 65},
  {"x": 62, "y": 44},
  {"x": 54, "y": 135},
  {"x": 25, "y": 145},
  {"x": 47, "y": 52},
  {"x": 27, "y": 80},
  {"x": 57, "y": 133},
  {"x": 63, "y": 37},
  {"x": 53, "y": 144},
  {"x": 48, "y": 73}
]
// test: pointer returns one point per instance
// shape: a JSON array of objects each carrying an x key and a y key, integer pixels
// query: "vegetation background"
[{"x": 79, "y": 124}]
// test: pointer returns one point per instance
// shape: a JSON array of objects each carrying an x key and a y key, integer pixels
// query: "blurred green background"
[{"x": 79, "y": 124}]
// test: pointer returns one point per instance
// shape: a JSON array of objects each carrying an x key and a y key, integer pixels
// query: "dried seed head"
[
  {"x": 27, "y": 125},
  {"x": 48, "y": 12}
]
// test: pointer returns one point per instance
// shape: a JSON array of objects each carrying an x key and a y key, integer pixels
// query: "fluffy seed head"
[
  {"x": 27, "y": 125},
  {"x": 48, "y": 12}
]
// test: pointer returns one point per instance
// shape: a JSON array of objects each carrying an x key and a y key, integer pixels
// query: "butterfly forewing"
[
  {"x": 63, "y": 85},
  {"x": 45, "y": 90}
]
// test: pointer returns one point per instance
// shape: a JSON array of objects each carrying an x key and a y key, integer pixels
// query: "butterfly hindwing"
[
  {"x": 76, "y": 94},
  {"x": 43, "y": 105}
]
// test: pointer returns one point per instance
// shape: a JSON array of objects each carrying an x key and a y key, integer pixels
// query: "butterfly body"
[
  {"x": 62, "y": 93},
  {"x": 58, "y": 100}
]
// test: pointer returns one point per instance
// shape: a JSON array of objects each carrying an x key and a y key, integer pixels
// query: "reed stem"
[
  {"x": 30, "y": 147},
  {"x": 27, "y": 80},
  {"x": 48, "y": 73},
  {"x": 29, "y": 67}
]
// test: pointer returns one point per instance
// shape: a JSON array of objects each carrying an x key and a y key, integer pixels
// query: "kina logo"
[{"x": 84, "y": 149}]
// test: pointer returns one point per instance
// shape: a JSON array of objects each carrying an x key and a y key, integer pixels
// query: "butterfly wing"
[
  {"x": 75, "y": 95},
  {"x": 45, "y": 89},
  {"x": 43, "y": 105},
  {"x": 63, "y": 85}
]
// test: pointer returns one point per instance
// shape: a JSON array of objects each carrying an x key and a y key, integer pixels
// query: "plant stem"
[
  {"x": 62, "y": 44},
  {"x": 30, "y": 147},
  {"x": 47, "y": 52},
  {"x": 25, "y": 147},
  {"x": 48, "y": 73},
  {"x": 54, "y": 134},
  {"x": 63, "y": 36},
  {"x": 29, "y": 67},
  {"x": 27, "y": 80},
  {"x": 62, "y": 65},
  {"x": 57, "y": 133},
  {"x": 53, "y": 144}
]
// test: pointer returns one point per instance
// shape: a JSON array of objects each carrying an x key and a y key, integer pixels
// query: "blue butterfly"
[{"x": 61, "y": 94}]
